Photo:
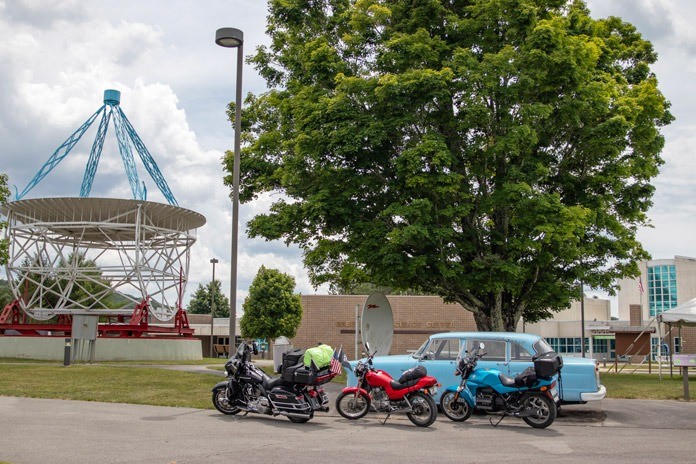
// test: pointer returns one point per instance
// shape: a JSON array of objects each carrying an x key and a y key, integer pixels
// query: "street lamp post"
[
  {"x": 212, "y": 307},
  {"x": 234, "y": 38},
  {"x": 582, "y": 317}
]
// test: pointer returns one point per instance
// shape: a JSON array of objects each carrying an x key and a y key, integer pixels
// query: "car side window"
[
  {"x": 444, "y": 348},
  {"x": 495, "y": 349},
  {"x": 519, "y": 352}
]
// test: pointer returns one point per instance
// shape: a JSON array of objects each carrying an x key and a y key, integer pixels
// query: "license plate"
[
  {"x": 432, "y": 391},
  {"x": 554, "y": 393}
]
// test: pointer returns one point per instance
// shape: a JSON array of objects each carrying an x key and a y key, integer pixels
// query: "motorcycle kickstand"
[
  {"x": 385, "y": 419},
  {"x": 490, "y": 419}
]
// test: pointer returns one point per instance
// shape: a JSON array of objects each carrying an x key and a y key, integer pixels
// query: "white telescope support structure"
[{"x": 69, "y": 255}]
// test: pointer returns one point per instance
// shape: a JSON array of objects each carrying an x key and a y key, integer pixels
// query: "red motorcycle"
[{"x": 411, "y": 395}]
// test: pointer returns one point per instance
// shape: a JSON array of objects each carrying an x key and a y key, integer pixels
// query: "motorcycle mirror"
[
  {"x": 481, "y": 346},
  {"x": 255, "y": 348}
]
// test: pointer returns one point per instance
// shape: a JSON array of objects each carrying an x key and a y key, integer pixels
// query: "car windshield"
[
  {"x": 421, "y": 350},
  {"x": 541, "y": 346}
]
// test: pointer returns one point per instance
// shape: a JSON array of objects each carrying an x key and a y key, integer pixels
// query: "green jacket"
[{"x": 321, "y": 355}]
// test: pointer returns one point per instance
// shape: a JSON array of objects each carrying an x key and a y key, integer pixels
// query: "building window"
[
  {"x": 599, "y": 345},
  {"x": 568, "y": 345},
  {"x": 662, "y": 288}
]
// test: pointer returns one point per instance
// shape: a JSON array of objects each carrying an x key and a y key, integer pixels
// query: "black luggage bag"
[{"x": 546, "y": 365}]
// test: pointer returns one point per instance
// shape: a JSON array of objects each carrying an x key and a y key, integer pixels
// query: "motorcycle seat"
[
  {"x": 400, "y": 386},
  {"x": 269, "y": 382},
  {"x": 506, "y": 381}
]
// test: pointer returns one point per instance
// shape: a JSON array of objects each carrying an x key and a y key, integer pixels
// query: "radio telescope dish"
[
  {"x": 69, "y": 255},
  {"x": 377, "y": 324}
]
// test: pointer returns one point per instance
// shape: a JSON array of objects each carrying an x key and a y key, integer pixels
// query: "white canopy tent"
[{"x": 684, "y": 314}]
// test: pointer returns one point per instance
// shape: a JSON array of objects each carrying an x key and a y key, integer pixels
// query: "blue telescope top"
[
  {"x": 128, "y": 142},
  {"x": 112, "y": 97}
]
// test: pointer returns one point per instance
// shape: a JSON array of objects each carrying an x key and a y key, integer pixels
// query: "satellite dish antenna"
[{"x": 377, "y": 324}]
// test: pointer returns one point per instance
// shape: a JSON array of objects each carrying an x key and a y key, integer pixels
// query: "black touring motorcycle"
[{"x": 296, "y": 394}]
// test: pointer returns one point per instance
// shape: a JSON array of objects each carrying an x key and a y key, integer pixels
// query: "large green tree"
[
  {"x": 201, "y": 301},
  {"x": 492, "y": 152},
  {"x": 272, "y": 309}
]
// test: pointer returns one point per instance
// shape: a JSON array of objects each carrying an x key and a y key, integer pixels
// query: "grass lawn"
[
  {"x": 645, "y": 386},
  {"x": 109, "y": 383},
  {"x": 143, "y": 383},
  {"x": 135, "y": 383}
]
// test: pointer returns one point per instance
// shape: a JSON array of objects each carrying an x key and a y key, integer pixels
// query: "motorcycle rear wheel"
[
  {"x": 424, "y": 410},
  {"x": 458, "y": 411},
  {"x": 546, "y": 411},
  {"x": 222, "y": 403},
  {"x": 351, "y": 406}
]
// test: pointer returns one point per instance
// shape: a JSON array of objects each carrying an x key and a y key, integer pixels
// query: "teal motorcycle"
[{"x": 531, "y": 395}]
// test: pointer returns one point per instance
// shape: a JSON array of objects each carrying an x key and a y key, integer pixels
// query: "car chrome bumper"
[{"x": 596, "y": 396}]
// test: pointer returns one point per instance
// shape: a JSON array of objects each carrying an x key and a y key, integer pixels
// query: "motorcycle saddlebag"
[
  {"x": 286, "y": 400},
  {"x": 292, "y": 358},
  {"x": 304, "y": 375},
  {"x": 526, "y": 378},
  {"x": 298, "y": 374},
  {"x": 413, "y": 374},
  {"x": 547, "y": 365}
]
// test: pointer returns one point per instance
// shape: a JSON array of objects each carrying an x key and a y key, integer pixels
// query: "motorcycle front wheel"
[
  {"x": 222, "y": 403},
  {"x": 458, "y": 410},
  {"x": 352, "y": 406},
  {"x": 545, "y": 411},
  {"x": 423, "y": 409}
]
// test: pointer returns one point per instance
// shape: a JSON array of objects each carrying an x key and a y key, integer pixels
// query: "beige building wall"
[
  {"x": 566, "y": 323},
  {"x": 629, "y": 293},
  {"x": 686, "y": 278}
]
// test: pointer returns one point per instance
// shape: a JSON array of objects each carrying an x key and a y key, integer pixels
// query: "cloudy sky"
[{"x": 58, "y": 56}]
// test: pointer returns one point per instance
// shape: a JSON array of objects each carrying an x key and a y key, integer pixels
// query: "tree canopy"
[
  {"x": 272, "y": 308},
  {"x": 493, "y": 152},
  {"x": 201, "y": 301}
]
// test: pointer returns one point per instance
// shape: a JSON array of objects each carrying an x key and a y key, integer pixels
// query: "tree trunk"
[{"x": 494, "y": 320}]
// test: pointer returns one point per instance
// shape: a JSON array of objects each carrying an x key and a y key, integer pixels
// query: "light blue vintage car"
[{"x": 509, "y": 352}]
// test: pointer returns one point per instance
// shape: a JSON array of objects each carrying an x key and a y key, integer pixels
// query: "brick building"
[{"x": 330, "y": 319}]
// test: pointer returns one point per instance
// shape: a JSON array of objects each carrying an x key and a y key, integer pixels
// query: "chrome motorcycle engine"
[
  {"x": 380, "y": 400},
  {"x": 261, "y": 404}
]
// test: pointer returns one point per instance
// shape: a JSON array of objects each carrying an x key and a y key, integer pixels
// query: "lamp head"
[{"x": 229, "y": 37}]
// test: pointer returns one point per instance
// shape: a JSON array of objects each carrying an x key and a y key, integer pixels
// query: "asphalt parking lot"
[{"x": 631, "y": 431}]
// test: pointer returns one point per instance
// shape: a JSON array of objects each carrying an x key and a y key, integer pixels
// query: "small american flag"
[
  {"x": 640, "y": 286},
  {"x": 335, "y": 367}
]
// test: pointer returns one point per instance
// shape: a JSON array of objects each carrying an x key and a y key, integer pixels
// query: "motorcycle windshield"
[
  {"x": 240, "y": 350},
  {"x": 463, "y": 352}
]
